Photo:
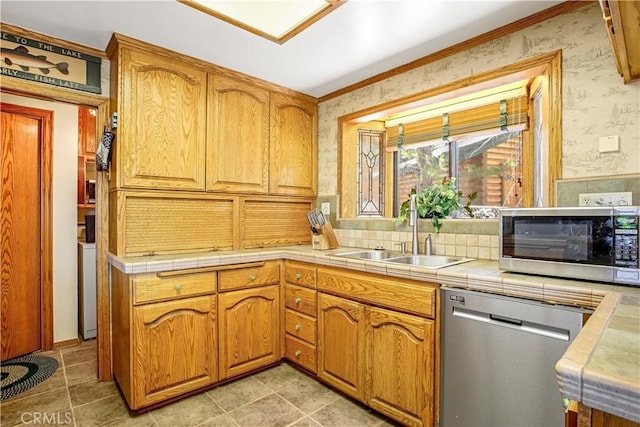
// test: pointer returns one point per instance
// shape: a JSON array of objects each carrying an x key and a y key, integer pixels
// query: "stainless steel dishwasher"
[{"x": 498, "y": 357}]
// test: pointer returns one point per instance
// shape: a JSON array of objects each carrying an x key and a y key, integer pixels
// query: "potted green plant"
[{"x": 438, "y": 201}]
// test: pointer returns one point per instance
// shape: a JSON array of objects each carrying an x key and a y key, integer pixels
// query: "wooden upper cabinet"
[
  {"x": 162, "y": 122},
  {"x": 294, "y": 146},
  {"x": 87, "y": 131},
  {"x": 621, "y": 19},
  {"x": 237, "y": 136}
]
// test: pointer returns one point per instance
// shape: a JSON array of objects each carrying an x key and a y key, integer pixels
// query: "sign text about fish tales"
[{"x": 42, "y": 62}]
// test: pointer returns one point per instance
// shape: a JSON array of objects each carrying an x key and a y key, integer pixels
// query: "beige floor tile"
[
  {"x": 238, "y": 393},
  {"x": 54, "y": 382},
  {"x": 272, "y": 410},
  {"x": 305, "y": 422},
  {"x": 344, "y": 412},
  {"x": 111, "y": 411},
  {"x": 61, "y": 418},
  {"x": 91, "y": 390},
  {"x": 280, "y": 376},
  {"x": 308, "y": 395},
  {"x": 80, "y": 354},
  {"x": 21, "y": 410},
  {"x": 223, "y": 420},
  {"x": 82, "y": 372},
  {"x": 187, "y": 412}
]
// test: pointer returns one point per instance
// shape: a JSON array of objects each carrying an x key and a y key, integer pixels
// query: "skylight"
[{"x": 276, "y": 20}]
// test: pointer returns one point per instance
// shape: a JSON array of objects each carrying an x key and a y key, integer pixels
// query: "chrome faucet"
[{"x": 413, "y": 222}]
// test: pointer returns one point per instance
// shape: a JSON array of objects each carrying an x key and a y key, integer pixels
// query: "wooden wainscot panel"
[
  {"x": 164, "y": 223},
  {"x": 269, "y": 222},
  {"x": 406, "y": 295}
]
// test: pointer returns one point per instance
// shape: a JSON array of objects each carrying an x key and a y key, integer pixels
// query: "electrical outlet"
[
  {"x": 326, "y": 208},
  {"x": 605, "y": 199}
]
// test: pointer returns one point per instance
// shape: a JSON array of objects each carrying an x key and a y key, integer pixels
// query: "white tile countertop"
[{"x": 601, "y": 368}]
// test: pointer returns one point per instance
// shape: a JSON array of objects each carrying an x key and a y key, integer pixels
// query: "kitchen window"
[
  {"x": 480, "y": 146},
  {"x": 461, "y": 130}
]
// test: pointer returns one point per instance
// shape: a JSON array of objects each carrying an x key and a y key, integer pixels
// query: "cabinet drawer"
[
  {"x": 300, "y": 353},
  {"x": 406, "y": 295},
  {"x": 151, "y": 287},
  {"x": 300, "y": 299},
  {"x": 249, "y": 277},
  {"x": 301, "y": 326},
  {"x": 300, "y": 273}
]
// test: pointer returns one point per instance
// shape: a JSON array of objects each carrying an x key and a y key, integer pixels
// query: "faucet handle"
[
  {"x": 403, "y": 247},
  {"x": 428, "y": 250}
]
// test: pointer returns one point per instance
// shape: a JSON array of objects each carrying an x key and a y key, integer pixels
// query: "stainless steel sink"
[
  {"x": 374, "y": 255},
  {"x": 428, "y": 261},
  {"x": 396, "y": 257}
]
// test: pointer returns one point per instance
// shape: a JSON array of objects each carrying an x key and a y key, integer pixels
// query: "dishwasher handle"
[
  {"x": 521, "y": 325},
  {"x": 509, "y": 320}
]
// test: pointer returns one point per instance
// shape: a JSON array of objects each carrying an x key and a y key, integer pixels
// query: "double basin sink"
[{"x": 426, "y": 261}]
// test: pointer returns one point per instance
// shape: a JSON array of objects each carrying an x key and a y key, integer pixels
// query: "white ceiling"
[{"x": 360, "y": 39}]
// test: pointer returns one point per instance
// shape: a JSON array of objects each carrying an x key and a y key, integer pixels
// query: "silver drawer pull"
[{"x": 178, "y": 287}]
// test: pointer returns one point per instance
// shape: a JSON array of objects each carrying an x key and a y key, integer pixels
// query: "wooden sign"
[{"x": 42, "y": 62}]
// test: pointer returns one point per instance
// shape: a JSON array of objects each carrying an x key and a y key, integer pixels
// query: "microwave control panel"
[{"x": 626, "y": 241}]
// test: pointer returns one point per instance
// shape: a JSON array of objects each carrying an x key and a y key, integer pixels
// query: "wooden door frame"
[
  {"x": 52, "y": 93},
  {"x": 45, "y": 152}
]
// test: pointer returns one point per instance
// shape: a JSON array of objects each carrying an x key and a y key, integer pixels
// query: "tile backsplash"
[
  {"x": 567, "y": 191},
  {"x": 482, "y": 246}
]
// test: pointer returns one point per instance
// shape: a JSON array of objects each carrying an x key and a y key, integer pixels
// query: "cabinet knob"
[
  {"x": 178, "y": 287},
  {"x": 297, "y": 300},
  {"x": 298, "y": 326},
  {"x": 298, "y": 275},
  {"x": 298, "y": 353},
  {"x": 252, "y": 277}
]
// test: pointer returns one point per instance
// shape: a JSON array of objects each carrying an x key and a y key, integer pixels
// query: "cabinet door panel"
[
  {"x": 341, "y": 344},
  {"x": 400, "y": 365},
  {"x": 161, "y": 139},
  {"x": 237, "y": 136},
  {"x": 249, "y": 330},
  {"x": 294, "y": 146},
  {"x": 175, "y": 348}
]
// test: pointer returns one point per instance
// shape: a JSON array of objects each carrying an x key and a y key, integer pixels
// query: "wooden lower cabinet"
[
  {"x": 162, "y": 349},
  {"x": 399, "y": 356},
  {"x": 385, "y": 357},
  {"x": 341, "y": 332},
  {"x": 581, "y": 415},
  {"x": 249, "y": 329},
  {"x": 176, "y": 348}
]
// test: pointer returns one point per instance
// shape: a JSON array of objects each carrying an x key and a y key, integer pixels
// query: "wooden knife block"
[{"x": 325, "y": 240}]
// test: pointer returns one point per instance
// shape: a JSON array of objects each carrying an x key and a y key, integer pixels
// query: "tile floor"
[{"x": 280, "y": 396}]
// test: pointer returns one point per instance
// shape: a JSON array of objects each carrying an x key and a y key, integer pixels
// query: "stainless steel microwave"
[{"x": 599, "y": 244}]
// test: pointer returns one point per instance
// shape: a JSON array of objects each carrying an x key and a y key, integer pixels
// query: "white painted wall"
[{"x": 65, "y": 255}]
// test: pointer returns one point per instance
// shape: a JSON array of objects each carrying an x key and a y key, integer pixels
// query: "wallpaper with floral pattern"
[{"x": 595, "y": 101}]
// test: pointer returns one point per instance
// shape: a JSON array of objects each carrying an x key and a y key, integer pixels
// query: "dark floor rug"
[{"x": 24, "y": 372}]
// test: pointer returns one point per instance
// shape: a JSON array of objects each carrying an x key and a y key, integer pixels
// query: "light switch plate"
[
  {"x": 607, "y": 144},
  {"x": 605, "y": 199}
]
